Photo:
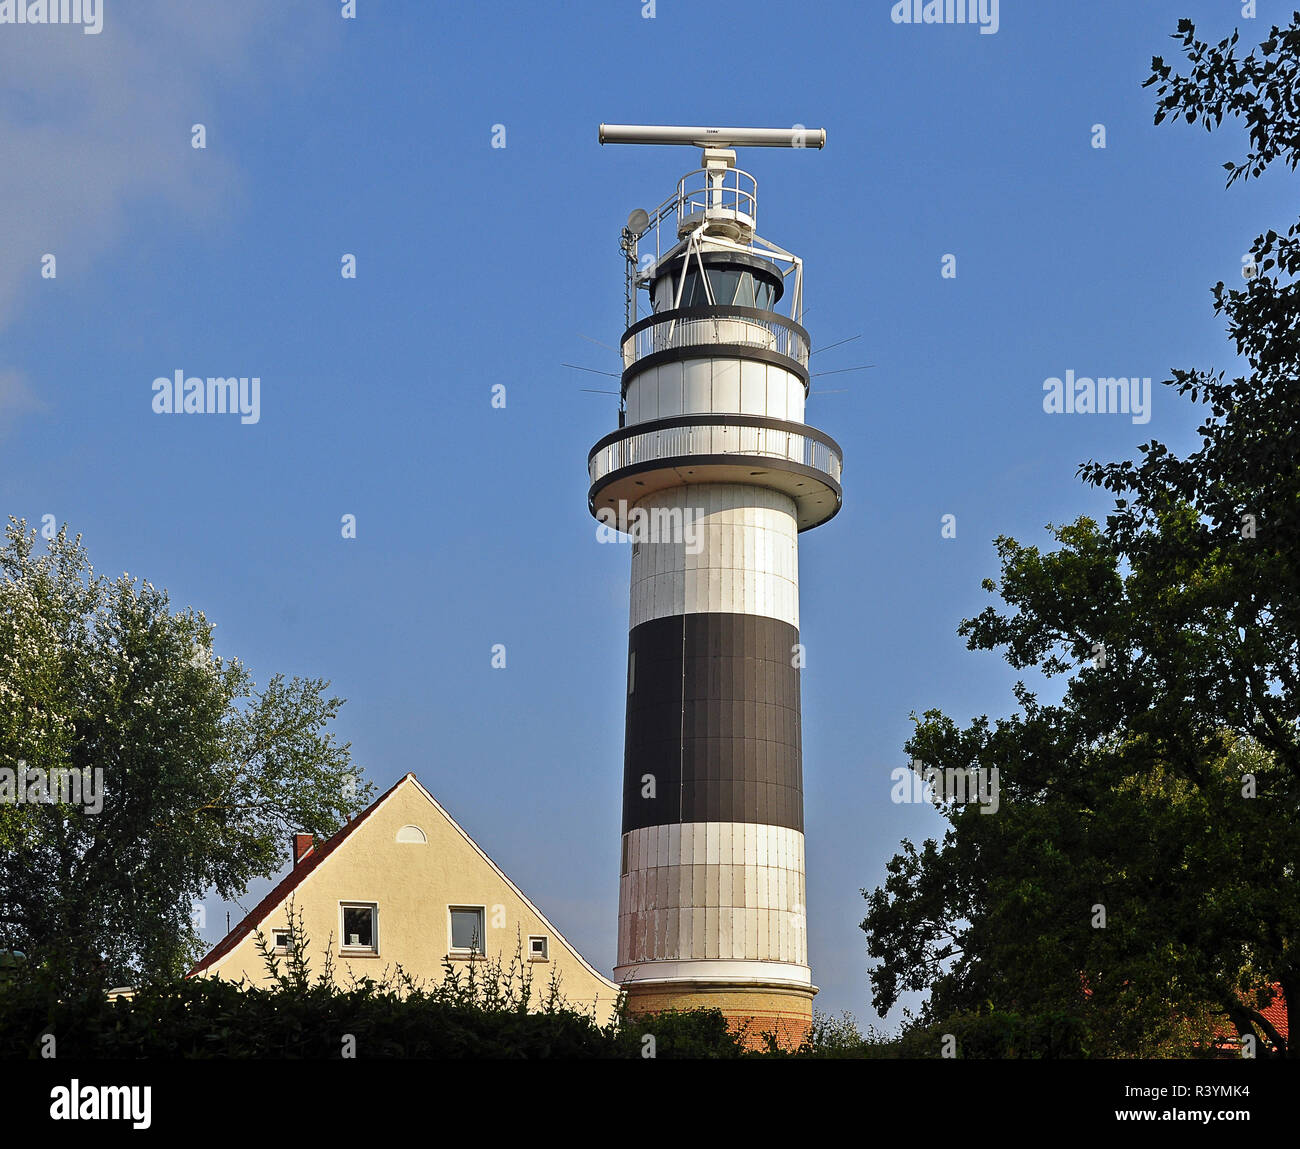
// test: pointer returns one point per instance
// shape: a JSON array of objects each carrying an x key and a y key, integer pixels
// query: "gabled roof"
[
  {"x": 291, "y": 881},
  {"x": 315, "y": 856},
  {"x": 591, "y": 969}
]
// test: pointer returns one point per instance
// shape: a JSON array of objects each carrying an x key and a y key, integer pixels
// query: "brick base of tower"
[{"x": 754, "y": 1011}]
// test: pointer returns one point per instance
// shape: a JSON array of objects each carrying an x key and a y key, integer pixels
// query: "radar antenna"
[{"x": 716, "y": 205}]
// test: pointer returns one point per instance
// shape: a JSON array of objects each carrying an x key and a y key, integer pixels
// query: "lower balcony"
[{"x": 798, "y": 460}]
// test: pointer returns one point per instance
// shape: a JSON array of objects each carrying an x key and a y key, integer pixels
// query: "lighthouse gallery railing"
[
  {"x": 730, "y": 325},
  {"x": 791, "y": 442}
]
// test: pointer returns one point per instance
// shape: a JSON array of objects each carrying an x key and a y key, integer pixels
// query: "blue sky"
[{"x": 480, "y": 265}]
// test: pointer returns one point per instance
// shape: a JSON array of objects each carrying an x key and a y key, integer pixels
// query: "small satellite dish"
[{"x": 638, "y": 221}]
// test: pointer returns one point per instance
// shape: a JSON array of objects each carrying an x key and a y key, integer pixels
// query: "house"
[{"x": 403, "y": 884}]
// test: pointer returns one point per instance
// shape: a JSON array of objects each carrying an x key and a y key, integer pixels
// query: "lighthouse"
[{"x": 712, "y": 453}]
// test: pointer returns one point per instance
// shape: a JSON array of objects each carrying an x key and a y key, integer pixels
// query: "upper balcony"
[{"x": 716, "y": 330}]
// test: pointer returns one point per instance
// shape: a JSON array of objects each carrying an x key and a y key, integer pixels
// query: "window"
[
  {"x": 631, "y": 671},
  {"x": 690, "y": 290},
  {"x": 724, "y": 284},
  {"x": 467, "y": 929},
  {"x": 280, "y": 940},
  {"x": 360, "y": 928},
  {"x": 539, "y": 948},
  {"x": 745, "y": 290}
]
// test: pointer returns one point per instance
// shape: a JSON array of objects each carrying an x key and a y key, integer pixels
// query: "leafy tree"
[
  {"x": 1220, "y": 527},
  {"x": 1165, "y": 786},
  {"x": 1108, "y": 890},
  {"x": 203, "y": 776}
]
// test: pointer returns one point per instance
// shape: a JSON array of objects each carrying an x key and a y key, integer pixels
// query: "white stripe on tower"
[{"x": 747, "y": 560}]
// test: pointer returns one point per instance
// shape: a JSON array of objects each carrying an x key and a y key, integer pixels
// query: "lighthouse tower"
[{"x": 714, "y": 473}]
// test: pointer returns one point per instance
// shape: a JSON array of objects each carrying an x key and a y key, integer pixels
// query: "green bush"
[
  {"x": 998, "y": 1035},
  {"x": 490, "y": 1011},
  {"x": 207, "y": 1017}
]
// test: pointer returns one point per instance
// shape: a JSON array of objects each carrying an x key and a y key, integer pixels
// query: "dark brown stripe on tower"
[{"x": 713, "y": 715}]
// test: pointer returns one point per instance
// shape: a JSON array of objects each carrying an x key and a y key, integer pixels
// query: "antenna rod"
[{"x": 796, "y": 137}]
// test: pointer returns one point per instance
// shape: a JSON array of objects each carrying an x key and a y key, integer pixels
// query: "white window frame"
[
  {"x": 545, "y": 955},
  {"x": 350, "y": 950},
  {"x": 463, "y": 951},
  {"x": 278, "y": 946}
]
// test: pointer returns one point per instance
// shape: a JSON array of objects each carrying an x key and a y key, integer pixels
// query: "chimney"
[{"x": 302, "y": 844}]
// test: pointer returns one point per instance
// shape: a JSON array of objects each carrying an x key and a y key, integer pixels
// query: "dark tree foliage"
[
  {"x": 1163, "y": 789},
  {"x": 203, "y": 775}
]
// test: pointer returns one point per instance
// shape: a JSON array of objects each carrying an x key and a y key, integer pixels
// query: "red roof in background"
[
  {"x": 313, "y": 858},
  {"x": 1226, "y": 1035},
  {"x": 1276, "y": 1014}
]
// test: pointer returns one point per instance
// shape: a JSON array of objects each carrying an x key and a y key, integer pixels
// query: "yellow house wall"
[{"x": 413, "y": 885}]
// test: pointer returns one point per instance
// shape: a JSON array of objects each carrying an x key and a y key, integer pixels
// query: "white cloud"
[{"x": 92, "y": 125}]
